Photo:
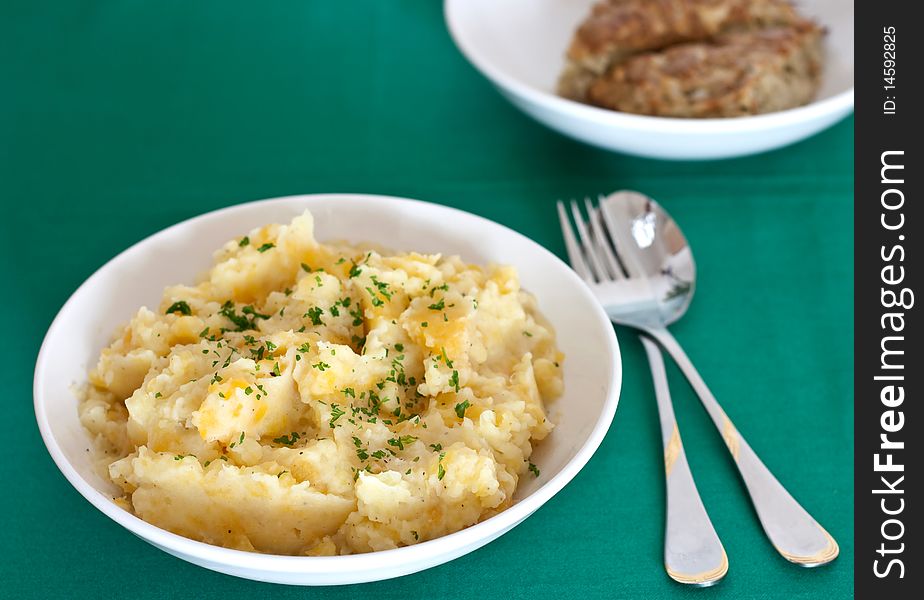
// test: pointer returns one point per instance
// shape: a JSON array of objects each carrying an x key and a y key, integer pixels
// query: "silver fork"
[
  {"x": 693, "y": 553},
  {"x": 641, "y": 268}
]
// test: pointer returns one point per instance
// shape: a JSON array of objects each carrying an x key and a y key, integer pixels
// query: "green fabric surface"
[{"x": 119, "y": 118}]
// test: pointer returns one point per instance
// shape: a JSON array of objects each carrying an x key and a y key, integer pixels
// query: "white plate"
[
  {"x": 520, "y": 46},
  {"x": 138, "y": 275}
]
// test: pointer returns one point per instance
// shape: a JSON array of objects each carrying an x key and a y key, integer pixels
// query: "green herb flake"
[
  {"x": 266, "y": 246},
  {"x": 179, "y": 306},
  {"x": 335, "y": 413},
  {"x": 315, "y": 315},
  {"x": 287, "y": 440},
  {"x": 402, "y": 441},
  {"x": 460, "y": 409},
  {"x": 244, "y": 241},
  {"x": 441, "y": 472}
]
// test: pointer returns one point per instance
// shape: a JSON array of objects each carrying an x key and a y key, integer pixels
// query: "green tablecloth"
[{"x": 118, "y": 118}]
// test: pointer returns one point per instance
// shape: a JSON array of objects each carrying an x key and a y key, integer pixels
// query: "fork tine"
[
  {"x": 602, "y": 243},
  {"x": 587, "y": 245},
  {"x": 574, "y": 251},
  {"x": 618, "y": 234}
]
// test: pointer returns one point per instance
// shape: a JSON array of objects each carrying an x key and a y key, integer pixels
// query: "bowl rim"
[
  {"x": 461, "y": 541},
  {"x": 840, "y": 102}
]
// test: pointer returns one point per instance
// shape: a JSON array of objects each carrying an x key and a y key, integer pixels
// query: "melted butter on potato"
[{"x": 321, "y": 399}]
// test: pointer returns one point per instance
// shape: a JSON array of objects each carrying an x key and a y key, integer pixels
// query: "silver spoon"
[{"x": 653, "y": 252}]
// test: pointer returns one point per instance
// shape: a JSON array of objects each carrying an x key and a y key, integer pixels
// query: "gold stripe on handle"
[
  {"x": 825, "y": 555},
  {"x": 704, "y": 578},
  {"x": 731, "y": 438},
  {"x": 671, "y": 451}
]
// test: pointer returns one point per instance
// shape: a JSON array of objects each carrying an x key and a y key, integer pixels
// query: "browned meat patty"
[
  {"x": 617, "y": 30},
  {"x": 741, "y": 73}
]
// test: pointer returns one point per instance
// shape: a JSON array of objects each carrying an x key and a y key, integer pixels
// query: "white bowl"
[
  {"x": 520, "y": 46},
  {"x": 178, "y": 254}
]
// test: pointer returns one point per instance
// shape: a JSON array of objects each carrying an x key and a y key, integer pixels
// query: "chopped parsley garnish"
[
  {"x": 438, "y": 305},
  {"x": 244, "y": 241},
  {"x": 376, "y": 301},
  {"x": 315, "y": 315},
  {"x": 357, "y": 315},
  {"x": 445, "y": 358},
  {"x": 441, "y": 472},
  {"x": 355, "y": 271},
  {"x": 321, "y": 366},
  {"x": 436, "y": 447},
  {"x": 424, "y": 324},
  {"x": 249, "y": 310},
  {"x": 382, "y": 287},
  {"x": 349, "y": 392},
  {"x": 454, "y": 381},
  {"x": 460, "y": 408},
  {"x": 275, "y": 372},
  {"x": 335, "y": 413},
  {"x": 266, "y": 246},
  {"x": 179, "y": 306},
  {"x": 401, "y": 442},
  {"x": 527, "y": 334},
  {"x": 306, "y": 268},
  {"x": 379, "y": 454},
  {"x": 240, "y": 321},
  {"x": 248, "y": 390},
  {"x": 399, "y": 347},
  {"x": 534, "y": 469},
  {"x": 287, "y": 441}
]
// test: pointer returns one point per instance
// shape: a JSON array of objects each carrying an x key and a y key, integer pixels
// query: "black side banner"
[{"x": 888, "y": 366}]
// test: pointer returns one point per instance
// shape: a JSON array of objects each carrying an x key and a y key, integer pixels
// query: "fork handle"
[
  {"x": 791, "y": 529},
  {"x": 693, "y": 553}
]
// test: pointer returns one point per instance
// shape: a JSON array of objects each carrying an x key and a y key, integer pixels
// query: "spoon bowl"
[{"x": 649, "y": 245}]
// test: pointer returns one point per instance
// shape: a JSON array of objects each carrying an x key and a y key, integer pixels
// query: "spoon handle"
[
  {"x": 791, "y": 529},
  {"x": 693, "y": 553}
]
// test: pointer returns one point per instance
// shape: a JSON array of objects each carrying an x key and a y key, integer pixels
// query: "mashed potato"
[{"x": 324, "y": 399}]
